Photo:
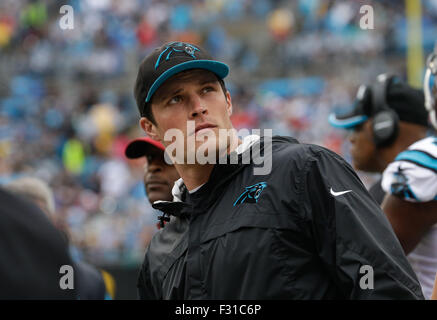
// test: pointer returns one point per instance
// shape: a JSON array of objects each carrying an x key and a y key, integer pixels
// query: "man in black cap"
[
  {"x": 303, "y": 226},
  {"x": 386, "y": 118},
  {"x": 159, "y": 176}
]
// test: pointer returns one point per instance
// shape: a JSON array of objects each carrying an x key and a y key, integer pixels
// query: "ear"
[
  {"x": 368, "y": 129},
  {"x": 229, "y": 103},
  {"x": 149, "y": 128}
]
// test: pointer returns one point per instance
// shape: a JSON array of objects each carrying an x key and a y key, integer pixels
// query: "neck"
[
  {"x": 195, "y": 175},
  {"x": 408, "y": 134}
]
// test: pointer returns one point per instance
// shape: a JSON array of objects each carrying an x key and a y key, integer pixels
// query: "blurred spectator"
[
  {"x": 89, "y": 281},
  {"x": 32, "y": 252}
]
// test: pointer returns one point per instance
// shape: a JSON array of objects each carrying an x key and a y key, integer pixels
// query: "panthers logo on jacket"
[{"x": 251, "y": 194}]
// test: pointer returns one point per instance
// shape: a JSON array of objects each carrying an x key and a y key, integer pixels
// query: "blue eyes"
[{"x": 178, "y": 99}]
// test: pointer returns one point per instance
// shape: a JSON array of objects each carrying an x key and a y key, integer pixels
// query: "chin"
[
  {"x": 210, "y": 151},
  {"x": 207, "y": 145},
  {"x": 155, "y": 196}
]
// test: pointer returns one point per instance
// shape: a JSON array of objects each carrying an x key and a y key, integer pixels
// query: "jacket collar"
[
  {"x": 219, "y": 176},
  {"x": 179, "y": 186}
]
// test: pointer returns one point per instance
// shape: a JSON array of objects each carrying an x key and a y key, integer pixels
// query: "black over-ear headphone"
[{"x": 385, "y": 124}]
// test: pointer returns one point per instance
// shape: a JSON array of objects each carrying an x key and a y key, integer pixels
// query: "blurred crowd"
[{"x": 67, "y": 110}]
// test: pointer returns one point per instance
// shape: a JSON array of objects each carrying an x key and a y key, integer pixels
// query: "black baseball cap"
[
  {"x": 407, "y": 102},
  {"x": 168, "y": 60}
]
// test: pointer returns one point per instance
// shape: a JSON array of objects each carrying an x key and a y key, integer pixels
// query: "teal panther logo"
[
  {"x": 173, "y": 47},
  {"x": 251, "y": 194}
]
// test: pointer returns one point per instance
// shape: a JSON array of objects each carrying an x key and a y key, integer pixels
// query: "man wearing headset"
[
  {"x": 386, "y": 118},
  {"x": 392, "y": 139},
  {"x": 411, "y": 183}
]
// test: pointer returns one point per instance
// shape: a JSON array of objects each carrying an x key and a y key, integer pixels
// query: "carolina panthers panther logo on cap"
[
  {"x": 174, "y": 47},
  {"x": 251, "y": 194}
]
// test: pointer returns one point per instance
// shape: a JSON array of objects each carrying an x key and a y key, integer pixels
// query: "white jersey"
[{"x": 413, "y": 177}]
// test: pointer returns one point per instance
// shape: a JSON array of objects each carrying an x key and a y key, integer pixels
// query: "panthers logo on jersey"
[
  {"x": 412, "y": 175},
  {"x": 251, "y": 194},
  {"x": 400, "y": 187},
  {"x": 174, "y": 47}
]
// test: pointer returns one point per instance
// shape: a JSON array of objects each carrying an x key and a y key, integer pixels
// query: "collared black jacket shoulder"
[{"x": 307, "y": 230}]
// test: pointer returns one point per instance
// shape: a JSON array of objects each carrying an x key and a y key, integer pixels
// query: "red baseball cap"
[{"x": 140, "y": 147}]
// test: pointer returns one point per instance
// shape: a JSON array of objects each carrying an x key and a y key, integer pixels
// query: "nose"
[
  {"x": 154, "y": 166},
  {"x": 198, "y": 107}
]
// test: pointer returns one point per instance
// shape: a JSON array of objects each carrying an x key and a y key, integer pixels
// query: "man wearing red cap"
[{"x": 159, "y": 176}]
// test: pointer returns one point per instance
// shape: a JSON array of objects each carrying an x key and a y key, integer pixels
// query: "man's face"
[
  {"x": 193, "y": 95},
  {"x": 363, "y": 149},
  {"x": 159, "y": 177}
]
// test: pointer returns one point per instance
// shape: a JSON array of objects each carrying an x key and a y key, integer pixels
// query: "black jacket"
[
  {"x": 278, "y": 236},
  {"x": 377, "y": 192},
  {"x": 90, "y": 283}
]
